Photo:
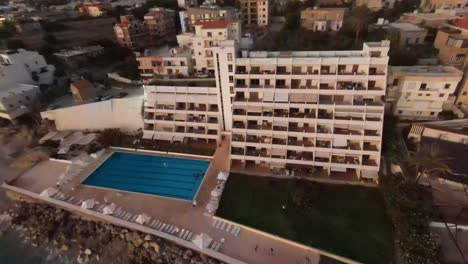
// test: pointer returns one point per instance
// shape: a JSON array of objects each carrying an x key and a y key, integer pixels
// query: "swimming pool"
[{"x": 177, "y": 178}]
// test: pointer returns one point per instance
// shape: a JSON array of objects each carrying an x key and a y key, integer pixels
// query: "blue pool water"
[{"x": 163, "y": 176}]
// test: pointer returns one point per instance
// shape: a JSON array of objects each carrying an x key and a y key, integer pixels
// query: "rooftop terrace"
[{"x": 437, "y": 70}]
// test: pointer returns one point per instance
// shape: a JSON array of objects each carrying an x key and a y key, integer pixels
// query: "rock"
[
  {"x": 187, "y": 254},
  {"x": 64, "y": 247},
  {"x": 155, "y": 247},
  {"x": 88, "y": 251},
  {"x": 148, "y": 237}
]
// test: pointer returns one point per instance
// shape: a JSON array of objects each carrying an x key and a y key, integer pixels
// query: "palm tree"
[
  {"x": 359, "y": 20},
  {"x": 427, "y": 160}
]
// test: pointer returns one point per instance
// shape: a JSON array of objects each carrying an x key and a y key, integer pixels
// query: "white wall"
[{"x": 122, "y": 113}]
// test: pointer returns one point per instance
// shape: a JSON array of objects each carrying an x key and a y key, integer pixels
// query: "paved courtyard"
[{"x": 248, "y": 246}]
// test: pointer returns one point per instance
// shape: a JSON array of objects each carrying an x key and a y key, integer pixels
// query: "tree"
[
  {"x": 428, "y": 160},
  {"x": 359, "y": 19}
]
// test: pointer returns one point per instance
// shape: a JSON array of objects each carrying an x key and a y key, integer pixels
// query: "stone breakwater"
[{"x": 95, "y": 242}]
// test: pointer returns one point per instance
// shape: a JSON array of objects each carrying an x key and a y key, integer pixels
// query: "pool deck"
[{"x": 183, "y": 215}]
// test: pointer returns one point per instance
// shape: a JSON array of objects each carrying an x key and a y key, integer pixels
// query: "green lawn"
[{"x": 346, "y": 220}]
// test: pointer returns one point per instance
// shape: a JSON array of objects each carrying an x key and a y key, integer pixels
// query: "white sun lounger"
[
  {"x": 237, "y": 231},
  {"x": 216, "y": 248},
  {"x": 163, "y": 226},
  {"x": 158, "y": 225},
  {"x": 229, "y": 228}
]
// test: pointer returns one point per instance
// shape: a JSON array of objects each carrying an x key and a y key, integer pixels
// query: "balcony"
[
  {"x": 280, "y": 128},
  {"x": 323, "y": 144},
  {"x": 308, "y": 87},
  {"x": 325, "y": 115},
  {"x": 373, "y": 118},
  {"x": 322, "y": 159},
  {"x": 213, "y": 120},
  {"x": 165, "y": 118},
  {"x": 254, "y": 139},
  {"x": 238, "y": 124},
  {"x": 346, "y": 131},
  {"x": 369, "y": 147},
  {"x": 239, "y": 112},
  {"x": 214, "y": 108},
  {"x": 351, "y": 118},
  {"x": 368, "y": 103},
  {"x": 369, "y": 162},
  {"x": 212, "y": 132},
  {"x": 345, "y": 160},
  {"x": 237, "y": 151},
  {"x": 279, "y": 141},
  {"x": 200, "y": 131},
  {"x": 373, "y": 133},
  {"x": 238, "y": 138}
]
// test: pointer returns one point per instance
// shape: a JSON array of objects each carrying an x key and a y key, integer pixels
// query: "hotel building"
[
  {"x": 310, "y": 112},
  {"x": 419, "y": 92},
  {"x": 303, "y": 113},
  {"x": 160, "y": 25},
  {"x": 204, "y": 13}
]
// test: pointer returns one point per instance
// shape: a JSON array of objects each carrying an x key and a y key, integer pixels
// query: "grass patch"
[{"x": 349, "y": 221}]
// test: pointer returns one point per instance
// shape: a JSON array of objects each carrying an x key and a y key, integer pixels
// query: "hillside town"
[{"x": 234, "y": 131}]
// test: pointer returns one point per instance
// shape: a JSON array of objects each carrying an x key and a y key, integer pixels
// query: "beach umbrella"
[
  {"x": 202, "y": 240},
  {"x": 212, "y": 206},
  {"x": 49, "y": 192},
  {"x": 222, "y": 176},
  {"x": 142, "y": 219},
  {"x": 88, "y": 204},
  {"x": 108, "y": 210},
  {"x": 216, "y": 192}
]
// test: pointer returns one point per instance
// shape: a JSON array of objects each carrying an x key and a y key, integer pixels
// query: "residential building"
[
  {"x": 186, "y": 3},
  {"x": 181, "y": 113},
  {"x": 131, "y": 32},
  {"x": 160, "y": 25},
  {"x": 419, "y": 92},
  {"x": 431, "y": 5},
  {"x": 313, "y": 113},
  {"x": 204, "y": 13},
  {"x": 462, "y": 94},
  {"x": 17, "y": 100},
  {"x": 95, "y": 9},
  {"x": 21, "y": 71},
  {"x": 450, "y": 139},
  {"x": 452, "y": 43},
  {"x": 255, "y": 12},
  {"x": 165, "y": 61},
  {"x": 408, "y": 33},
  {"x": 207, "y": 36},
  {"x": 325, "y": 3},
  {"x": 25, "y": 67},
  {"x": 433, "y": 20},
  {"x": 79, "y": 56},
  {"x": 322, "y": 19},
  {"x": 83, "y": 91}
]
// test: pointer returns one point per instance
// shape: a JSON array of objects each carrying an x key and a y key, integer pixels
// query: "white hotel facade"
[{"x": 303, "y": 113}]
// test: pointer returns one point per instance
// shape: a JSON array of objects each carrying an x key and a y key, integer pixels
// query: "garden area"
[{"x": 350, "y": 221}]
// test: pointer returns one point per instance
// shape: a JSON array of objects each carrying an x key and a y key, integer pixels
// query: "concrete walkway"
[{"x": 248, "y": 246}]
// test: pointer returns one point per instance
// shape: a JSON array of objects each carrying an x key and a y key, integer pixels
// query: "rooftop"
[
  {"x": 428, "y": 70},
  {"x": 432, "y": 16},
  {"x": 215, "y": 24},
  {"x": 17, "y": 89},
  {"x": 78, "y": 51},
  {"x": 166, "y": 51},
  {"x": 208, "y": 82},
  {"x": 403, "y": 26}
]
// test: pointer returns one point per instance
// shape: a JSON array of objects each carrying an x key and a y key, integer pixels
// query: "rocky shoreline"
[{"x": 68, "y": 237}]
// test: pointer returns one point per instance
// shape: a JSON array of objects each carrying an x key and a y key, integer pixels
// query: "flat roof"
[
  {"x": 78, "y": 51},
  {"x": 166, "y": 51},
  {"x": 208, "y": 82},
  {"x": 405, "y": 26},
  {"x": 428, "y": 70},
  {"x": 432, "y": 16}
]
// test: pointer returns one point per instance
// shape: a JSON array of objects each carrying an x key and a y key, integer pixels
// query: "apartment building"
[
  {"x": 310, "y": 113},
  {"x": 462, "y": 94},
  {"x": 131, "y": 32},
  {"x": 255, "y": 12},
  {"x": 431, "y": 5},
  {"x": 419, "y": 92},
  {"x": 165, "y": 61},
  {"x": 160, "y": 25},
  {"x": 204, "y": 13},
  {"x": 95, "y": 9},
  {"x": 452, "y": 43},
  {"x": 209, "y": 35},
  {"x": 433, "y": 20},
  {"x": 181, "y": 113},
  {"x": 322, "y": 19},
  {"x": 408, "y": 33}
]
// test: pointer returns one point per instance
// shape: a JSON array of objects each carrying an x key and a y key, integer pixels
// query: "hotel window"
[
  {"x": 395, "y": 82},
  {"x": 423, "y": 86},
  {"x": 464, "y": 93},
  {"x": 230, "y": 67},
  {"x": 231, "y": 79},
  {"x": 441, "y": 95},
  {"x": 447, "y": 86},
  {"x": 229, "y": 56}
]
